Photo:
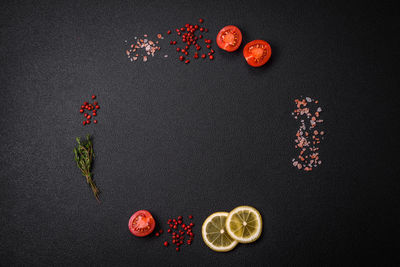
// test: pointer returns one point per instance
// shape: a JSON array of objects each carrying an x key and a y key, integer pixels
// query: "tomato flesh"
[
  {"x": 141, "y": 223},
  {"x": 229, "y": 38},
  {"x": 257, "y": 53}
]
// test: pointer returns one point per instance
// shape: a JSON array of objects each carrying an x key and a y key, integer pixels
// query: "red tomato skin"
[
  {"x": 248, "y": 57},
  {"x": 221, "y": 43},
  {"x": 152, "y": 223}
]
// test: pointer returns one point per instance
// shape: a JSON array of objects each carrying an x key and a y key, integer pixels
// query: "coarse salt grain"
[
  {"x": 306, "y": 141},
  {"x": 149, "y": 48}
]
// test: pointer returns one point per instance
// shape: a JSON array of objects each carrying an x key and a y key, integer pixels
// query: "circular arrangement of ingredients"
[
  {"x": 191, "y": 42},
  {"x": 221, "y": 231}
]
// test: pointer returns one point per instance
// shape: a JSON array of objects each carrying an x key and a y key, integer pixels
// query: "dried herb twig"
[{"x": 84, "y": 157}]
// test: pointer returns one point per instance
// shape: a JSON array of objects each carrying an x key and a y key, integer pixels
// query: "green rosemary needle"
[{"x": 84, "y": 157}]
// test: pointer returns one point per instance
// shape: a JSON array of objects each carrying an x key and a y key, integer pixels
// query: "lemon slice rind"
[
  {"x": 204, "y": 233},
  {"x": 254, "y": 236}
]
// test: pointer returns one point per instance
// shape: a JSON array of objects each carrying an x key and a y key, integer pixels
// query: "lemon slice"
[
  {"x": 244, "y": 224},
  {"x": 215, "y": 235}
]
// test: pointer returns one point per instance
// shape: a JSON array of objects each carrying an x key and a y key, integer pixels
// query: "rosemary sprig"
[{"x": 84, "y": 157}]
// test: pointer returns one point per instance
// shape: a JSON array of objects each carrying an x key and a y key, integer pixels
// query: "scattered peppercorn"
[
  {"x": 189, "y": 38},
  {"x": 89, "y": 107},
  {"x": 179, "y": 234}
]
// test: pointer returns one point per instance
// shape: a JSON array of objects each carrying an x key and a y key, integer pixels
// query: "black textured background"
[{"x": 194, "y": 139}]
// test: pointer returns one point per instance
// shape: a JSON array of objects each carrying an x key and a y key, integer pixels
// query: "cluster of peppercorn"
[
  {"x": 189, "y": 38},
  {"x": 179, "y": 230},
  {"x": 90, "y": 107},
  {"x": 159, "y": 232}
]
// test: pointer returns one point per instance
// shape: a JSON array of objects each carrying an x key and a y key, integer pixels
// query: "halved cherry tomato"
[
  {"x": 229, "y": 38},
  {"x": 141, "y": 223},
  {"x": 257, "y": 53}
]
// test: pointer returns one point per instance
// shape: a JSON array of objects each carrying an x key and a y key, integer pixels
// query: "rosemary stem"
[{"x": 93, "y": 186}]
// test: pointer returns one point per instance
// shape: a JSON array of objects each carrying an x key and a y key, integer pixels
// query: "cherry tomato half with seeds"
[
  {"x": 229, "y": 38},
  {"x": 257, "y": 53},
  {"x": 141, "y": 223}
]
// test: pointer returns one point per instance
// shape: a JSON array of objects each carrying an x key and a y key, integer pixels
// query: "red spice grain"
[
  {"x": 189, "y": 34},
  {"x": 89, "y": 107},
  {"x": 184, "y": 231}
]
